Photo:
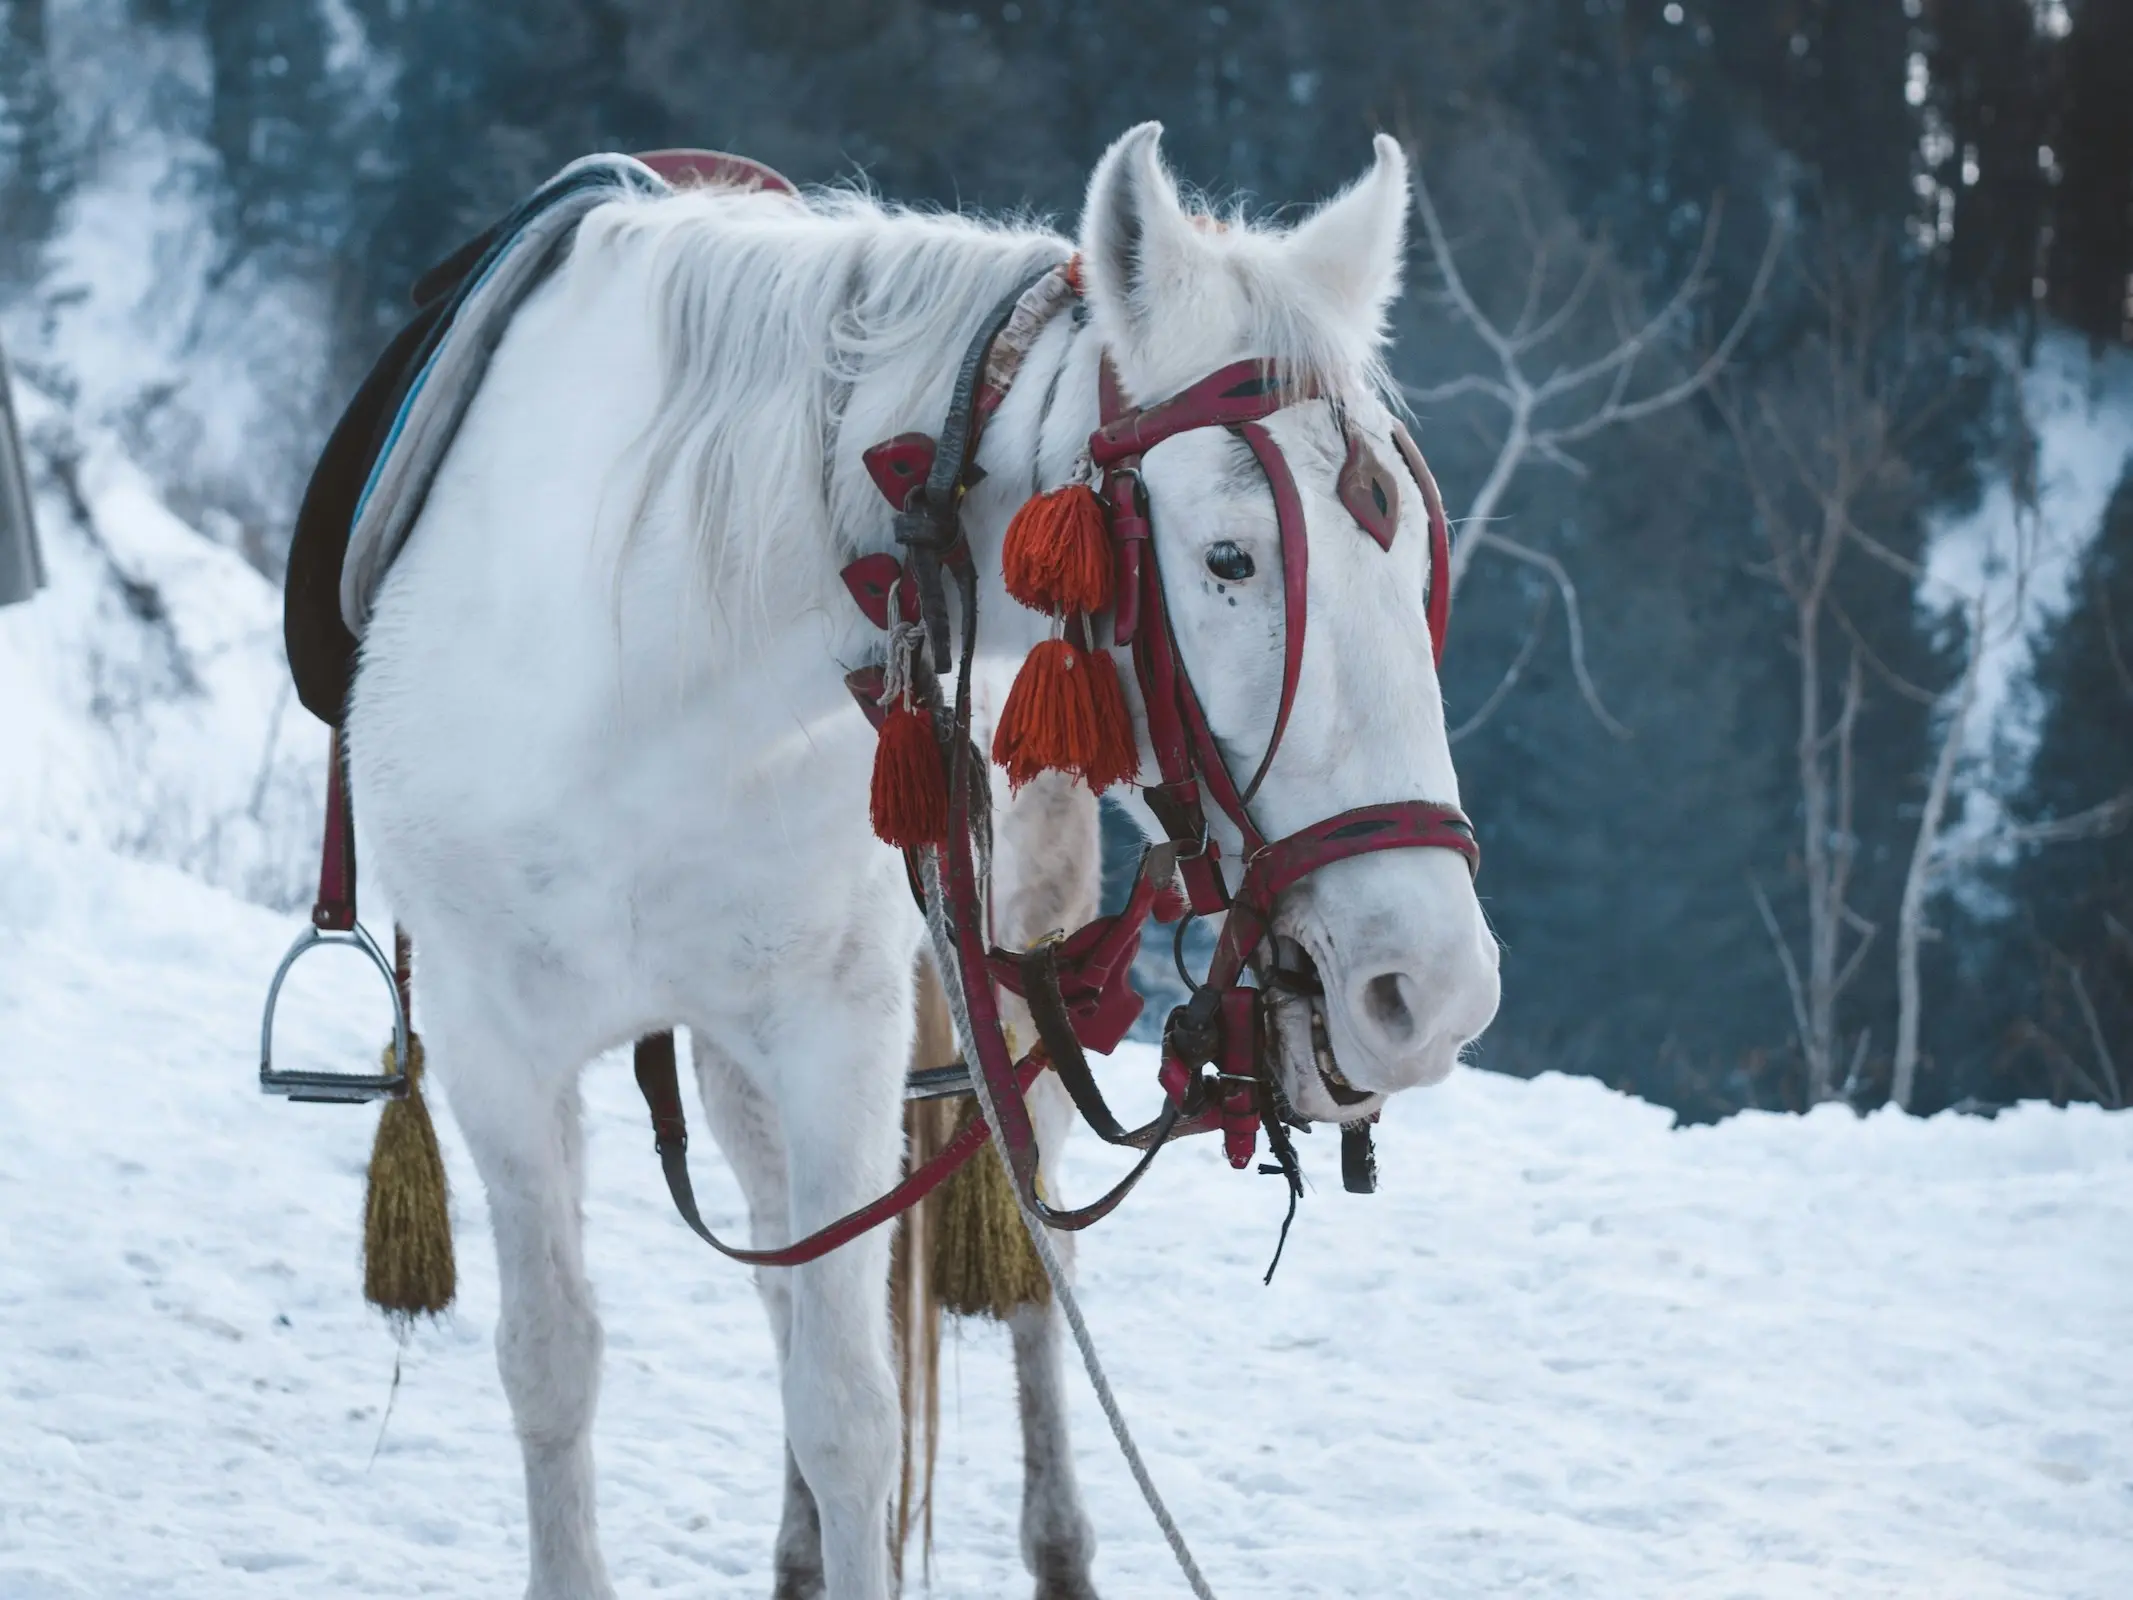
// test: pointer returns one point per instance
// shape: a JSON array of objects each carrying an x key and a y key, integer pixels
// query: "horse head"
[{"x": 1383, "y": 963}]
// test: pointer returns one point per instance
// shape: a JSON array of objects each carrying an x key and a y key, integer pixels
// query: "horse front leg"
[
  {"x": 1058, "y": 1542},
  {"x": 1046, "y": 876},
  {"x": 745, "y": 1124},
  {"x": 841, "y": 1117},
  {"x": 520, "y": 1114}
]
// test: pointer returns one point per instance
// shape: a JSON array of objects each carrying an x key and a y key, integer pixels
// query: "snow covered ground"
[{"x": 1568, "y": 1351}]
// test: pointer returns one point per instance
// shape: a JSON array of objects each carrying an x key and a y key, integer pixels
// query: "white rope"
[{"x": 944, "y": 953}]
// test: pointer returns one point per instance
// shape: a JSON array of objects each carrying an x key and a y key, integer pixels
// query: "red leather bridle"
[{"x": 1189, "y": 759}]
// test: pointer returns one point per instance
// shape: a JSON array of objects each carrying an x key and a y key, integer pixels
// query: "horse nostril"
[{"x": 1386, "y": 1006}]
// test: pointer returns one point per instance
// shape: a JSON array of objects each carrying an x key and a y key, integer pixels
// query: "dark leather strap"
[
  {"x": 335, "y": 908},
  {"x": 959, "y": 885},
  {"x": 658, "y": 1078},
  {"x": 1359, "y": 1158},
  {"x": 931, "y": 532},
  {"x": 1040, "y": 977},
  {"x": 1280, "y": 866}
]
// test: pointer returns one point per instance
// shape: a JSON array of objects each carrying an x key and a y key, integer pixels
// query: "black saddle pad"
[{"x": 321, "y": 649}]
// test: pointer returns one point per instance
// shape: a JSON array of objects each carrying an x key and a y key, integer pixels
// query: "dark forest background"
[{"x": 1883, "y": 210}]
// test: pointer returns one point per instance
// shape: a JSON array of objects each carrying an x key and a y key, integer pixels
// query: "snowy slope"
[
  {"x": 1567, "y": 1352},
  {"x": 144, "y": 699}
]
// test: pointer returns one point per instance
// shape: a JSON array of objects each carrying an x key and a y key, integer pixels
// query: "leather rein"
[{"x": 1216, "y": 1072}]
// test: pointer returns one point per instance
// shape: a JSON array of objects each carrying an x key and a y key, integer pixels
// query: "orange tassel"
[
  {"x": 910, "y": 795},
  {"x": 1066, "y": 713},
  {"x": 1058, "y": 552},
  {"x": 1117, "y": 758},
  {"x": 1049, "y": 721}
]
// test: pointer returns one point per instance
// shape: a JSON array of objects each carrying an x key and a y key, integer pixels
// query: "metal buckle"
[{"x": 334, "y": 1088}]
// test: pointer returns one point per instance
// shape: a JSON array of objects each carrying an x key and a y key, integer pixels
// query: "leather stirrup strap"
[{"x": 335, "y": 908}]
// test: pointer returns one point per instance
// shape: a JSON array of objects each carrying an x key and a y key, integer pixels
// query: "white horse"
[{"x": 612, "y": 781}]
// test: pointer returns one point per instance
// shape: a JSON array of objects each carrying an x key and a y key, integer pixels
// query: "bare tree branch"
[
  {"x": 1466, "y": 383},
  {"x": 2029, "y": 1033},
  {"x": 1902, "y": 565},
  {"x": 1705, "y": 374},
  {"x": 2104, "y": 1061},
  {"x": 1509, "y": 680},
  {"x": 1918, "y": 877},
  {"x": 1522, "y": 396},
  {"x": 1852, "y": 1086},
  {"x": 1568, "y": 590},
  {"x": 1784, "y": 953},
  {"x": 1882, "y": 670},
  {"x": 1559, "y": 318},
  {"x": 2110, "y": 643},
  {"x": 2097, "y": 822},
  {"x": 1629, "y": 349},
  {"x": 1851, "y": 967},
  {"x": 1447, "y": 262},
  {"x": 2121, "y": 935}
]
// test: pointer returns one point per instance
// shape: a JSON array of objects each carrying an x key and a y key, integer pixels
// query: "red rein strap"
[
  {"x": 1440, "y": 542},
  {"x": 657, "y": 1077}
]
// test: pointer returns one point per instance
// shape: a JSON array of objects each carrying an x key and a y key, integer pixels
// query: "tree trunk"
[
  {"x": 1819, "y": 1046},
  {"x": 1918, "y": 881}
]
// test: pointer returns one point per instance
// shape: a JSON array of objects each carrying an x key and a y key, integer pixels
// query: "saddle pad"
[{"x": 371, "y": 480}]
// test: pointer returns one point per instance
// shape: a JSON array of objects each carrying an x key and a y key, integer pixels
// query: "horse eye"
[{"x": 1229, "y": 563}]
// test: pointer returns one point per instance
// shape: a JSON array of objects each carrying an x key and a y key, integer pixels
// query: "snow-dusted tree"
[
  {"x": 1821, "y": 444},
  {"x": 1937, "y": 853}
]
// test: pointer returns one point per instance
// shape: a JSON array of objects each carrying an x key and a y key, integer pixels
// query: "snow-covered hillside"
[
  {"x": 1568, "y": 1351},
  {"x": 144, "y": 701}
]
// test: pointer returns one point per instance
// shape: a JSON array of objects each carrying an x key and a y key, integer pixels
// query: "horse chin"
[{"x": 1311, "y": 1081}]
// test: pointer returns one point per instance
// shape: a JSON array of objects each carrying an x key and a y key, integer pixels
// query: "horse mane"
[{"x": 769, "y": 313}]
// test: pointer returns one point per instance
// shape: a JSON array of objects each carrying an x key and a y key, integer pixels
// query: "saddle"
[{"x": 321, "y": 647}]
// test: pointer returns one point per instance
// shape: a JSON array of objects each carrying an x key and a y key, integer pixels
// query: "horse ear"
[
  {"x": 1135, "y": 236},
  {"x": 1353, "y": 246}
]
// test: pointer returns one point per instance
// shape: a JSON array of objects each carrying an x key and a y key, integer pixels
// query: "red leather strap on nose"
[{"x": 1274, "y": 870}]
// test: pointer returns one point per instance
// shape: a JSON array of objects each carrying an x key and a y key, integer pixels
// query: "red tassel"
[
  {"x": 1116, "y": 757},
  {"x": 1170, "y": 904},
  {"x": 909, "y": 803},
  {"x": 1049, "y": 721},
  {"x": 1066, "y": 713},
  {"x": 1058, "y": 552}
]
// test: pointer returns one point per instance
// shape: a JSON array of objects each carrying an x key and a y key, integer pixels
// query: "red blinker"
[{"x": 1369, "y": 493}]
